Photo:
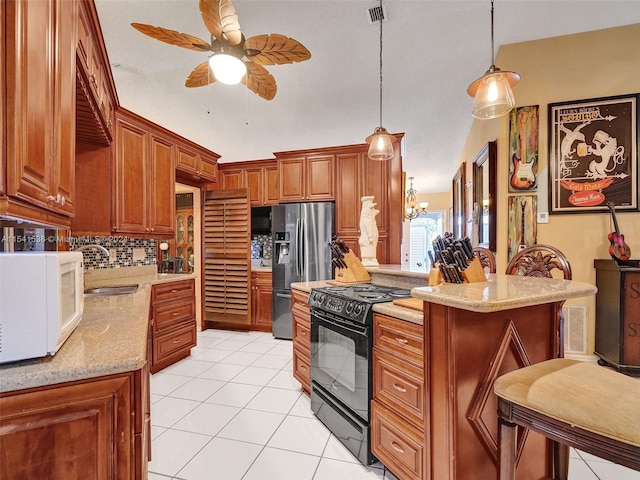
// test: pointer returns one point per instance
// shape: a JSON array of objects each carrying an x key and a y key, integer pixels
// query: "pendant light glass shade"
[
  {"x": 492, "y": 94},
  {"x": 380, "y": 145},
  {"x": 227, "y": 69},
  {"x": 380, "y": 141}
]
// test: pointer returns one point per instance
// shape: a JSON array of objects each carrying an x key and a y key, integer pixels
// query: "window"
[{"x": 423, "y": 230}]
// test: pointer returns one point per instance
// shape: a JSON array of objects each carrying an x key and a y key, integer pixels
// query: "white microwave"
[{"x": 41, "y": 302}]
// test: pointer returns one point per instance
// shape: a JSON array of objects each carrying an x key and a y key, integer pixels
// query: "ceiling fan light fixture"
[
  {"x": 492, "y": 93},
  {"x": 380, "y": 145},
  {"x": 227, "y": 68}
]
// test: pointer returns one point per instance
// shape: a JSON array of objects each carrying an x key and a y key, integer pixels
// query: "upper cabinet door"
[
  {"x": 292, "y": 179},
  {"x": 270, "y": 185},
  {"x": 130, "y": 178},
  {"x": 40, "y": 112},
  {"x": 320, "y": 178},
  {"x": 161, "y": 186},
  {"x": 30, "y": 67}
]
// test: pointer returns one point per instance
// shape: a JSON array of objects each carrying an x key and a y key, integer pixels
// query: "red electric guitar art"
[{"x": 618, "y": 249}]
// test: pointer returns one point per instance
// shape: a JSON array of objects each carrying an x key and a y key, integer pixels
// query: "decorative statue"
[{"x": 368, "y": 232}]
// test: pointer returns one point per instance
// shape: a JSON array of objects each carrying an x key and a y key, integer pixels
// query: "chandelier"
[{"x": 414, "y": 209}]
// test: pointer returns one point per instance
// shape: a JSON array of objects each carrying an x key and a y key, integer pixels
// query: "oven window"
[{"x": 337, "y": 357}]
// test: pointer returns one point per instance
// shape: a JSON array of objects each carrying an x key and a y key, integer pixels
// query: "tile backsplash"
[
  {"x": 123, "y": 251},
  {"x": 261, "y": 243}
]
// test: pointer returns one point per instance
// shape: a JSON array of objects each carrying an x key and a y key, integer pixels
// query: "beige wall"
[{"x": 573, "y": 67}]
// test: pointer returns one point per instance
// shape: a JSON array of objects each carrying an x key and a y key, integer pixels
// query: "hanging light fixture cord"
[
  {"x": 381, "y": 18},
  {"x": 492, "y": 49}
]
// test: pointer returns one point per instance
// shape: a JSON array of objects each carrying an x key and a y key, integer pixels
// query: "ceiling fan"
[{"x": 229, "y": 46}]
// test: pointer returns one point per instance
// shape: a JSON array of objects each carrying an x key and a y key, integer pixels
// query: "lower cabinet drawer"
[
  {"x": 168, "y": 315},
  {"x": 400, "y": 385},
  {"x": 396, "y": 444},
  {"x": 301, "y": 334},
  {"x": 174, "y": 342},
  {"x": 302, "y": 368}
]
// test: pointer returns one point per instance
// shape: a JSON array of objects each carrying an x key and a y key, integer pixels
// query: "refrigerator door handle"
[
  {"x": 303, "y": 234},
  {"x": 298, "y": 246}
]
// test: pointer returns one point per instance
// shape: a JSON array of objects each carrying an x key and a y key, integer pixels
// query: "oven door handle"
[{"x": 349, "y": 328}]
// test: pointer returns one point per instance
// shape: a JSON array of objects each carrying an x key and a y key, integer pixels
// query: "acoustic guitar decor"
[
  {"x": 618, "y": 249},
  {"x": 220, "y": 18}
]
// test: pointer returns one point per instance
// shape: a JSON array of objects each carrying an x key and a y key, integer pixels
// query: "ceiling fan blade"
[
  {"x": 173, "y": 38},
  {"x": 276, "y": 49},
  {"x": 220, "y": 18},
  {"x": 259, "y": 81},
  {"x": 201, "y": 76}
]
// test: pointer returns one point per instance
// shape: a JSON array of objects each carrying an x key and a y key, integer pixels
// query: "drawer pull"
[
  {"x": 175, "y": 314},
  {"x": 302, "y": 367},
  {"x": 403, "y": 341},
  {"x": 176, "y": 341},
  {"x": 400, "y": 388},
  {"x": 174, "y": 290},
  {"x": 397, "y": 447}
]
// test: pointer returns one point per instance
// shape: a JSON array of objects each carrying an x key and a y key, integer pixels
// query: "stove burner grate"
[
  {"x": 371, "y": 296},
  {"x": 365, "y": 288},
  {"x": 400, "y": 293},
  {"x": 335, "y": 289}
]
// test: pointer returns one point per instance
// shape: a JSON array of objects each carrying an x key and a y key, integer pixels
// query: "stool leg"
[
  {"x": 560, "y": 461},
  {"x": 507, "y": 450}
]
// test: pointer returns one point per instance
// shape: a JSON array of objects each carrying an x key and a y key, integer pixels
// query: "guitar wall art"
[
  {"x": 523, "y": 149},
  {"x": 593, "y": 155}
]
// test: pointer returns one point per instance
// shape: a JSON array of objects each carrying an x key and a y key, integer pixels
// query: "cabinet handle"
[
  {"x": 109, "y": 123},
  {"x": 92, "y": 77},
  {"x": 302, "y": 367},
  {"x": 403, "y": 341},
  {"x": 175, "y": 314},
  {"x": 176, "y": 341},
  {"x": 397, "y": 447},
  {"x": 174, "y": 290},
  {"x": 400, "y": 388},
  {"x": 51, "y": 198}
]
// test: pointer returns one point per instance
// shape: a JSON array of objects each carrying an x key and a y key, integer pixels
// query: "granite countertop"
[
  {"x": 504, "y": 292},
  {"x": 392, "y": 310},
  {"x": 111, "y": 338},
  {"x": 400, "y": 271}
]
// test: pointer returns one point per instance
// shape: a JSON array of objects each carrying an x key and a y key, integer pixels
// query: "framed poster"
[
  {"x": 523, "y": 149},
  {"x": 593, "y": 154}
]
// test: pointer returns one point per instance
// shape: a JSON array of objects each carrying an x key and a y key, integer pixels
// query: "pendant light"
[
  {"x": 380, "y": 141},
  {"x": 492, "y": 92}
]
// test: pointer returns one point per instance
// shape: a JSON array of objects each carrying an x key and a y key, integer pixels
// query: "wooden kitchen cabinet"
[
  {"x": 96, "y": 98},
  {"x": 309, "y": 178},
  {"x": 39, "y": 54},
  {"x": 173, "y": 322},
  {"x": 358, "y": 176},
  {"x": 259, "y": 176},
  {"x": 97, "y": 428},
  {"x": 144, "y": 178},
  {"x": 398, "y": 404},
  {"x": 261, "y": 300},
  {"x": 200, "y": 165},
  {"x": 301, "y": 339}
]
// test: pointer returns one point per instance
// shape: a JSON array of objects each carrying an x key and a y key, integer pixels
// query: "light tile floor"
[{"x": 233, "y": 411}]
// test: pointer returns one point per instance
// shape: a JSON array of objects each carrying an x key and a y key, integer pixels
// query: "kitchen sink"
[{"x": 104, "y": 291}]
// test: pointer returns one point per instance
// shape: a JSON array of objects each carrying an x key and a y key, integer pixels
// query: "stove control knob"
[
  {"x": 358, "y": 309},
  {"x": 349, "y": 308},
  {"x": 320, "y": 298}
]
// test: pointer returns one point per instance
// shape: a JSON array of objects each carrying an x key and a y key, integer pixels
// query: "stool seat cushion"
[{"x": 582, "y": 394}]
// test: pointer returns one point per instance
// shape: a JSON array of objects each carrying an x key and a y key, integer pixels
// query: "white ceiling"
[{"x": 432, "y": 50}]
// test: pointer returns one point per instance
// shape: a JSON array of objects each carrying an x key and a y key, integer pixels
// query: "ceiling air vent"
[{"x": 375, "y": 14}]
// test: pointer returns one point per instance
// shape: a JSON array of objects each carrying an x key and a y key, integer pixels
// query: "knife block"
[
  {"x": 473, "y": 273},
  {"x": 354, "y": 273}
]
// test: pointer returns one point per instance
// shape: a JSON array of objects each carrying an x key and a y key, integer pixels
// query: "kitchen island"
[
  {"x": 86, "y": 407},
  {"x": 472, "y": 334}
]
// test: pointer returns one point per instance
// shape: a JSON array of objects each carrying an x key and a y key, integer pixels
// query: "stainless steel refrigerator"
[{"x": 301, "y": 253}]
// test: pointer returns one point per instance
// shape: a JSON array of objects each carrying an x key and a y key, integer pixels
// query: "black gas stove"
[{"x": 354, "y": 301}]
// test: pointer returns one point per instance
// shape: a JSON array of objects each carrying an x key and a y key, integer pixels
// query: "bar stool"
[
  {"x": 539, "y": 261},
  {"x": 575, "y": 404},
  {"x": 487, "y": 258}
]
